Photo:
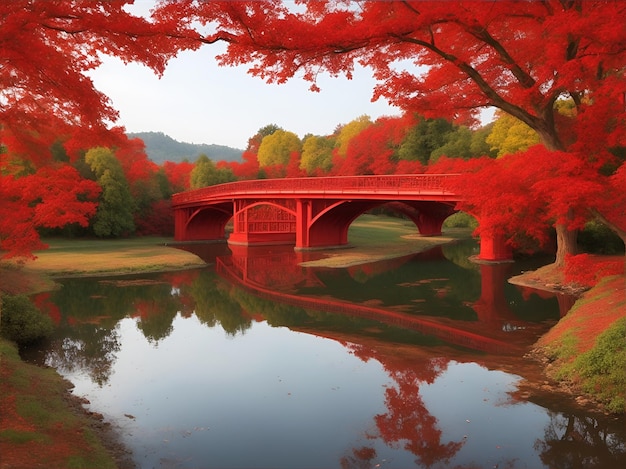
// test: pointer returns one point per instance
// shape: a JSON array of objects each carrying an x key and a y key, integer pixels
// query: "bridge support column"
[
  {"x": 304, "y": 215},
  {"x": 180, "y": 224},
  {"x": 429, "y": 225},
  {"x": 493, "y": 248}
]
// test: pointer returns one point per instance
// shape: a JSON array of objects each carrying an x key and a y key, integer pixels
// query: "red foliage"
[
  {"x": 135, "y": 163},
  {"x": 178, "y": 175},
  {"x": 529, "y": 191},
  {"x": 372, "y": 150},
  {"x": 517, "y": 56},
  {"x": 46, "y": 49},
  {"x": 587, "y": 270},
  {"x": 249, "y": 169},
  {"x": 52, "y": 197},
  {"x": 292, "y": 170},
  {"x": 159, "y": 220}
]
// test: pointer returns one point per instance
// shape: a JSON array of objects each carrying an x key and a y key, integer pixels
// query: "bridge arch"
[
  {"x": 203, "y": 223},
  {"x": 328, "y": 222},
  {"x": 328, "y": 226}
]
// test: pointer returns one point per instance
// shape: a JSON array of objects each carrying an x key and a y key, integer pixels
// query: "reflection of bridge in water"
[{"x": 275, "y": 275}]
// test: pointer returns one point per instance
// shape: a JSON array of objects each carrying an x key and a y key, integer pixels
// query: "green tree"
[
  {"x": 276, "y": 149},
  {"x": 423, "y": 138},
  {"x": 114, "y": 216},
  {"x": 317, "y": 154},
  {"x": 479, "y": 145},
  {"x": 205, "y": 173},
  {"x": 458, "y": 145}
]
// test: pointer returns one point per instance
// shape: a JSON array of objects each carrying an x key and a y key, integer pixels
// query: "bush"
[
  {"x": 597, "y": 238},
  {"x": 461, "y": 220},
  {"x": 21, "y": 321}
]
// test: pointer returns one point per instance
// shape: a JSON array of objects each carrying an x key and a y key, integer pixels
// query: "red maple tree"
[
  {"x": 52, "y": 197},
  {"x": 372, "y": 151},
  {"x": 47, "y": 49},
  {"x": 446, "y": 59}
]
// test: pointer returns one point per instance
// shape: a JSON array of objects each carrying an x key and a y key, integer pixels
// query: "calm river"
[{"x": 257, "y": 362}]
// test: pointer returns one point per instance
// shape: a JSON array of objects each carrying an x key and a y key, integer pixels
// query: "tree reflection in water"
[
  {"x": 91, "y": 350},
  {"x": 88, "y": 313},
  {"x": 580, "y": 442}
]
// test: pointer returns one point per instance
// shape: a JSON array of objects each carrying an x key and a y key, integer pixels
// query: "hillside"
[{"x": 161, "y": 148}]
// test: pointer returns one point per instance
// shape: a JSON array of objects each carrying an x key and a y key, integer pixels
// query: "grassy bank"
[
  {"x": 41, "y": 424},
  {"x": 117, "y": 256},
  {"x": 586, "y": 350}
]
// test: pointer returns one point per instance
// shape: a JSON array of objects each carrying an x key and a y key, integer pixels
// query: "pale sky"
[{"x": 198, "y": 102}]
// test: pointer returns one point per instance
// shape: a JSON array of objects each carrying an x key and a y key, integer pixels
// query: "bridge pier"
[{"x": 494, "y": 248}]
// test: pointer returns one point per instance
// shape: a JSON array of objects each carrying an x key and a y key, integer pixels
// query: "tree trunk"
[{"x": 566, "y": 243}]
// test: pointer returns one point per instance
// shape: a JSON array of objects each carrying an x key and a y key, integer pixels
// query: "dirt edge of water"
[{"x": 595, "y": 310}]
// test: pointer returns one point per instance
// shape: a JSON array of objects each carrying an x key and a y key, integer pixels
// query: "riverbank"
[
  {"x": 42, "y": 424},
  {"x": 584, "y": 354}
]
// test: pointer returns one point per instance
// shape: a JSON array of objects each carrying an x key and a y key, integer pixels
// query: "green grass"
[
  {"x": 101, "y": 245},
  {"x": 603, "y": 368},
  {"x": 68, "y": 257},
  {"x": 17, "y": 437},
  {"x": 38, "y": 396},
  {"x": 587, "y": 347}
]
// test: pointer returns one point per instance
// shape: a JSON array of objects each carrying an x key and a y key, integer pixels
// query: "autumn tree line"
[
  {"x": 119, "y": 191},
  {"x": 555, "y": 66}
]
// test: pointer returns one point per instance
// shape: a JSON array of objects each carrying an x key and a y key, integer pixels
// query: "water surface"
[{"x": 258, "y": 362}]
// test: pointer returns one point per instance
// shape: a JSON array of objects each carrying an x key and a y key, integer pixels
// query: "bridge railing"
[{"x": 397, "y": 183}]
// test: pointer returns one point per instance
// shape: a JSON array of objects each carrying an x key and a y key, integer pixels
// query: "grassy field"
[{"x": 119, "y": 256}]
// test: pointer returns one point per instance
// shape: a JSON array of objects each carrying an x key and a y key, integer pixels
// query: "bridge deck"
[{"x": 405, "y": 187}]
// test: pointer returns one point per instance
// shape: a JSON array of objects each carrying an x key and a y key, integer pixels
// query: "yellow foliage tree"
[
  {"x": 317, "y": 154},
  {"x": 276, "y": 149},
  {"x": 349, "y": 131},
  {"x": 510, "y": 135}
]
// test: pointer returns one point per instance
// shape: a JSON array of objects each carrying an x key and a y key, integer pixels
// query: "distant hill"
[{"x": 161, "y": 148}]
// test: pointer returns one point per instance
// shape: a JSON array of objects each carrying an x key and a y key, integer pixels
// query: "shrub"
[
  {"x": 461, "y": 220},
  {"x": 21, "y": 321},
  {"x": 599, "y": 239}
]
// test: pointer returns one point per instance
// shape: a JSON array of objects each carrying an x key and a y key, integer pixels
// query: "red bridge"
[{"x": 316, "y": 212}]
